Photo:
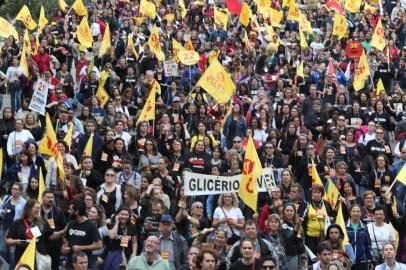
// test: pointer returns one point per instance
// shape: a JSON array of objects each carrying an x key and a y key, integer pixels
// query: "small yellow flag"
[
  {"x": 362, "y": 72},
  {"x": 352, "y": 6},
  {"x": 23, "y": 60},
  {"x": 101, "y": 92},
  {"x": 370, "y": 8},
  {"x": 41, "y": 186},
  {"x": 25, "y": 16},
  {"x": 287, "y": 3},
  {"x": 303, "y": 41},
  {"x": 316, "y": 180},
  {"x": 340, "y": 25},
  {"x": 276, "y": 17},
  {"x": 401, "y": 177},
  {"x": 332, "y": 193},
  {"x": 293, "y": 12},
  {"x": 155, "y": 44},
  {"x": 28, "y": 256},
  {"x": 183, "y": 8},
  {"x": 42, "y": 21},
  {"x": 379, "y": 87},
  {"x": 79, "y": 8},
  {"x": 340, "y": 222},
  {"x": 176, "y": 49},
  {"x": 245, "y": 15},
  {"x": 148, "y": 9},
  {"x": 89, "y": 147},
  {"x": 6, "y": 29},
  {"x": 217, "y": 82},
  {"x": 69, "y": 135},
  {"x": 83, "y": 33},
  {"x": 27, "y": 42},
  {"x": 378, "y": 39},
  {"x": 106, "y": 42},
  {"x": 251, "y": 170},
  {"x": 130, "y": 43},
  {"x": 299, "y": 71},
  {"x": 148, "y": 111},
  {"x": 305, "y": 24},
  {"x": 220, "y": 17},
  {"x": 63, "y": 5},
  {"x": 247, "y": 41},
  {"x": 189, "y": 45}
]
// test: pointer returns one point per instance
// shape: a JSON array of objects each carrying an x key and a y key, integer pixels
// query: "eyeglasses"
[
  {"x": 268, "y": 267},
  {"x": 15, "y": 189},
  {"x": 379, "y": 132},
  {"x": 110, "y": 175},
  {"x": 236, "y": 141},
  {"x": 199, "y": 206},
  {"x": 268, "y": 147},
  {"x": 341, "y": 119}
]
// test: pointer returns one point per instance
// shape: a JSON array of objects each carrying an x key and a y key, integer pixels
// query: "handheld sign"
[{"x": 188, "y": 58}]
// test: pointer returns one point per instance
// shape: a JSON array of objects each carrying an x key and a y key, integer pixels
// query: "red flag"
[
  {"x": 334, "y": 5},
  {"x": 332, "y": 71},
  {"x": 234, "y": 7}
]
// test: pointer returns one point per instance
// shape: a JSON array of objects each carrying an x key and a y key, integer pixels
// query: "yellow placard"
[{"x": 188, "y": 58}]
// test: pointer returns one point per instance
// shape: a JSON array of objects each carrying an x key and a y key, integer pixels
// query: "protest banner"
[
  {"x": 205, "y": 184},
  {"x": 39, "y": 98}
]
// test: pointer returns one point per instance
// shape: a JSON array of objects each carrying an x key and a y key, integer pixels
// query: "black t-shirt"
[
  {"x": 56, "y": 221},
  {"x": 19, "y": 230},
  {"x": 114, "y": 244},
  {"x": 82, "y": 234},
  {"x": 238, "y": 265}
]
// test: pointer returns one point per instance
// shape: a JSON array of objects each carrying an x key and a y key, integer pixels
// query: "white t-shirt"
[
  {"x": 234, "y": 213},
  {"x": 383, "y": 234}
]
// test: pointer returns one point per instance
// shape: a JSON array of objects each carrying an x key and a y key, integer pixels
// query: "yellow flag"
[
  {"x": 263, "y": 7},
  {"x": 229, "y": 111},
  {"x": 83, "y": 33},
  {"x": 148, "y": 111},
  {"x": 247, "y": 41},
  {"x": 213, "y": 55},
  {"x": 176, "y": 49},
  {"x": 69, "y": 136},
  {"x": 352, "y": 6},
  {"x": 49, "y": 146},
  {"x": 220, "y": 17},
  {"x": 189, "y": 45},
  {"x": 130, "y": 43},
  {"x": 148, "y": 9},
  {"x": 37, "y": 41},
  {"x": 155, "y": 44},
  {"x": 101, "y": 92},
  {"x": 42, "y": 21},
  {"x": 6, "y": 29},
  {"x": 1, "y": 162},
  {"x": 106, "y": 42},
  {"x": 25, "y": 16},
  {"x": 63, "y": 5},
  {"x": 183, "y": 8},
  {"x": 28, "y": 256},
  {"x": 303, "y": 41},
  {"x": 379, "y": 87},
  {"x": 245, "y": 15},
  {"x": 293, "y": 12},
  {"x": 332, "y": 193},
  {"x": 41, "y": 186},
  {"x": 362, "y": 72},
  {"x": 23, "y": 60},
  {"x": 370, "y": 8},
  {"x": 378, "y": 39},
  {"x": 251, "y": 170},
  {"x": 27, "y": 42},
  {"x": 89, "y": 147},
  {"x": 255, "y": 24},
  {"x": 299, "y": 71},
  {"x": 79, "y": 8},
  {"x": 340, "y": 222},
  {"x": 271, "y": 33},
  {"x": 316, "y": 180},
  {"x": 305, "y": 24},
  {"x": 340, "y": 25},
  {"x": 217, "y": 82},
  {"x": 139, "y": 20},
  {"x": 401, "y": 177},
  {"x": 276, "y": 17},
  {"x": 287, "y": 3}
]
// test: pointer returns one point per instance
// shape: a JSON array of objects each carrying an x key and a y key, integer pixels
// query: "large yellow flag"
[
  {"x": 340, "y": 25},
  {"x": 106, "y": 42},
  {"x": 63, "y": 5},
  {"x": 245, "y": 15},
  {"x": 155, "y": 44},
  {"x": 42, "y": 21},
  {"x": 130, "y": 43},
  {"x": 148, "y": 111},
  {"x": 25, "y": 16},
  {"x": 362, "y": 73},
  {"x": 293, "y": 12},
  {"x": 316, "y": 180},
  {"x": 28, "y": 256},
  {"x": 41, "y": 186},
  {"x": 89, "y": 147},
  {"x": 352, "y": 6},
  {"x": 340, "y": 222},
  {"x": 6, "y": 29},
  {"x": 148, "y": 9},
  {"x": 332, "y": 193},
  {"x": 220, "y": 17},
  {"x": 49, "y": 146},
  {"x": 217, "y": 82},
  {"x": 378, "y": 39},
  {"x": 101, "y": 92},
  {"x": 79, "y": 8},
  {"x": 83, "y": 33},
  {"x": 176, "y": 49},
  {"x": 251, "y": 170},
  {"x": 69, "y": 136},
  {"x": 276, "y": 17},
  {"x": 23, "y": 60},
  {"x": 379, "y": 87}
]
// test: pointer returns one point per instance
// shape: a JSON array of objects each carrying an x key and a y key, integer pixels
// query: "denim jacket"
[{"x": 360, "y": 242}]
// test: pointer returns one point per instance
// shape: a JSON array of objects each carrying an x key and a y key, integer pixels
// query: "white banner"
[
  {"x": 205, "y": 184},
  {"x": 40, "y": 96}
]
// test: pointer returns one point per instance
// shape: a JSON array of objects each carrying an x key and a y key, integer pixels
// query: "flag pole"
[{"x": 391, "y": 186}]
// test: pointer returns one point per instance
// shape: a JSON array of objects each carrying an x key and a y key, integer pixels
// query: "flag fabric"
[
  {"x": 369, "y": 8},
  {"x": 6, "y": 29},
  {"x": 287, "y": 3},
  {"x": 247, "y": 41},
  {"x": 378, "y": 39},
  {"x": 183, "y": 8},
  {"x": 305, "y": 24},
  {"x": 79, "y": 8},
  {"x": 155, "y": 44},
  {"x": 63, "y": 5},
  {"x": 233, "y": 6},
  {"x": 352, "y": 6},
  {"x": 332, "y": 72},
  {"x": 401, "y": 177},
  {"x": 23, "y": 60},
  {"x": 148, "y": 111},
  {"x": 106, "y": 42},
  {"x": 245, "y": 15},
  {"x": 220, "y": 17},
  {"x": 42, "y": 21},
  {"x": 379, "y": 87},
  {"x": 83, "y": 33},
  {"x": 27, "y": 42},
  {"x": 217, "y": 82},
  {"x": 148, "y": 9},
  {"x": 101, "y": 92},
  {"x": 28, "y": 256},
  {"x": 316, "y": 180},
  {"x": 300, "y": 70},
  {"x": 332, "y": 193},
  {"x": 130, "y": 43},
  {"x": 293, "y": 12},
  {"x": 176, "y": 49},
  {"x": 334, "y": 5},
  {"x": 189, "y": 45},
  {"x": 251, "y": 170},
  {"x": 25, "y": 17},
  {"x": 276, "y": 17},
  {"x": 340, "y": 25},
  {"x": 340, "y": 222},
  {"x": 229, "y": 111},
  {"x": 69, "y": 136},
  {"x": 41, "y": 186},
  {"x": 49, "y": 146},
  {"x": 303, "y": 41},
  {"x": 89, "y": 147},
  {"x": 1, "y": 162},
  {"x": 362, "y": 72}
]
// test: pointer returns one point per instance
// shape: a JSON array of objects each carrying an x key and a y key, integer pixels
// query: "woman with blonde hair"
[{"x": 31, "y": 124}]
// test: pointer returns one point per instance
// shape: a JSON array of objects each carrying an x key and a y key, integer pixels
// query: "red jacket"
[{"x": 43, "y": 62}]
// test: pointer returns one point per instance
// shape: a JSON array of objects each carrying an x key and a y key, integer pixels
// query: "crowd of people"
[{"x": 122, "y": 204}]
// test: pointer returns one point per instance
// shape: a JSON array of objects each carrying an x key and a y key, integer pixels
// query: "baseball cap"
[
  {"x": 176, "y": 99},
  {"x": 167, "y": 218}
]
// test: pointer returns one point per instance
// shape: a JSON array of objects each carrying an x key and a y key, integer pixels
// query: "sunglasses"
[
  {"x": 110, "y": 175},
  {"x": 268, "y": 267}
]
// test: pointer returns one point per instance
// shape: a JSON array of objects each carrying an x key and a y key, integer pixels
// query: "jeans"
[{"x": 15, "y": 94}]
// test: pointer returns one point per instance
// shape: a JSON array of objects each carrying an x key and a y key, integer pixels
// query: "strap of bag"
[
  {"x": 228, "y": 223},
  {"x": 376, "y": 242}
]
